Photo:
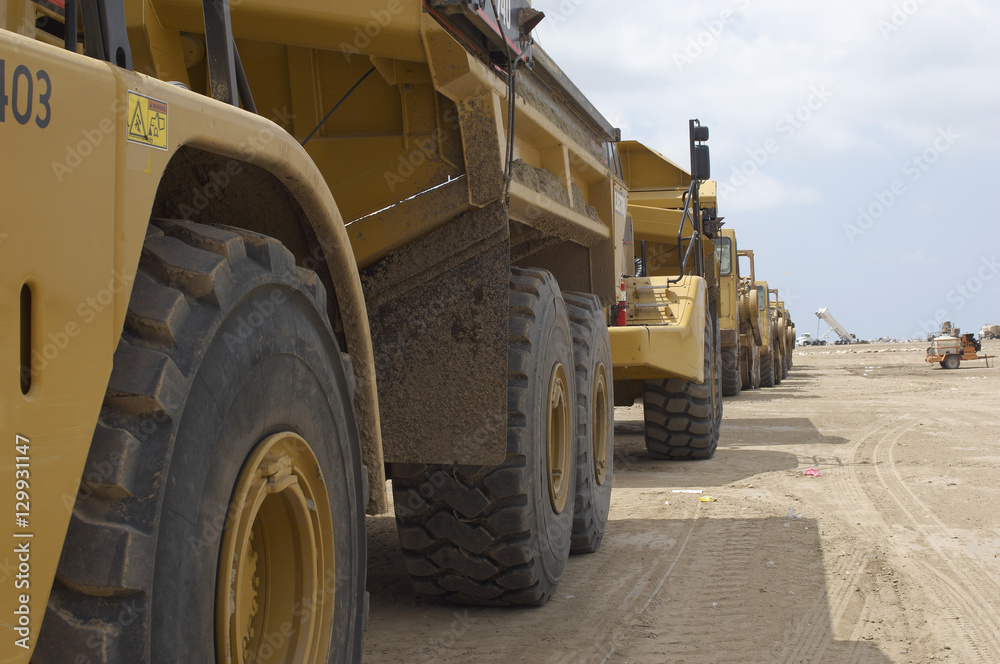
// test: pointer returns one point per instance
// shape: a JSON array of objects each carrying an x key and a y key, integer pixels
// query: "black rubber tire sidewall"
[
  {"x": 755, "y": 371},
  {"x": 552, "y": 531},
  {"x": 234, "y": 403},
  {"x": 593, "y": 500},
  {"x": 732, "y": 383}
]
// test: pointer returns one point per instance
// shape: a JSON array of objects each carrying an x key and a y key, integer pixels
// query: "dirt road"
[{"x": 892, "y": 554}]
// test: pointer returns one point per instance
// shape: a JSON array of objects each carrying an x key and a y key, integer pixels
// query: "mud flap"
[{"x": 438, "y": 309}]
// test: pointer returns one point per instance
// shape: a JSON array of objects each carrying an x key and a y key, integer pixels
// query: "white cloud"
[
  {"x": 762, "y": 192},
  {"x": 918, "y": 257}
]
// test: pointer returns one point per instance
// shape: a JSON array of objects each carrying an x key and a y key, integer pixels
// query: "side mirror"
[{"x": 701, "y": 161}]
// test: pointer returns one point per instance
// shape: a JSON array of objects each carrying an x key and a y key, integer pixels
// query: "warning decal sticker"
[{"x": 147, "y": 121}]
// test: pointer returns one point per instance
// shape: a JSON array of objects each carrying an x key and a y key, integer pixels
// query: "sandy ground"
[{"x": 891, "y": 555}]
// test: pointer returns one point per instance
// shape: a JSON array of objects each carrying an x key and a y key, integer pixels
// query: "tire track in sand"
[
  {"x": 952, "y": 589},
  {"x": 962, "y": 576},
  {"x": 814, "y": 634}
]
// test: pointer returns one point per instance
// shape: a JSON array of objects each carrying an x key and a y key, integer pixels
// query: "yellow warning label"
[{"x": 147, "y": 121}]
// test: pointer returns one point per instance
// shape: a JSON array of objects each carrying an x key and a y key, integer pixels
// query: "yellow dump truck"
[
  {"x": 260, "y": 257},
  {"x": 768, "y": 349},
  {"x": 731, "y": 315},
  {"x": 784, "y": 334},
  {"x": 750, "y": 336},
  {"x": 665, "y": 345},
  {"x": 778, "y": 350},
  {"x": 789, "y": 337}
]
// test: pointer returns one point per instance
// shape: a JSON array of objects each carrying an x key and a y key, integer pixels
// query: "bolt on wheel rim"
[
  {"x": 600, "y": 425},
  {"x": 558, "y": 438},
  {"x": 276, "y": 581}
]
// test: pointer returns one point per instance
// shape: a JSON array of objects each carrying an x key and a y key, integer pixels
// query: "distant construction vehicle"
[
  {"x": 731, "y": 314},
  {"x": 845, "y": 336},
  {"x": 786, "y": 330},
  {"x": 806, "y": 339},
  {"x": 782, "y": 343},
  {"x": 990, "y": 332},
  {"x": 949, "y": 351},
  {"x": 751, "y": 330},
  {"x": 767, "y": 349},
  {"x": 664, "y": 340}
]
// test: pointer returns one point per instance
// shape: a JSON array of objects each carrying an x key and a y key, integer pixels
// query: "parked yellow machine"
[
  {"x": 730, "y": 311},
  {"x": 768, "y": 349},
  {"x": 785, "y": 332},
  {"x": 223, "y": 333},
  {"x": 666, "y": 349},
  {"x": 750, "y": 336},
  {"x": 789, "y": 338},
  {"x": 779, "y": 334}
]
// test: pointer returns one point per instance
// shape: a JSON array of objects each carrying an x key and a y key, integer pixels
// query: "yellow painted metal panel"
[
  {"x": 645, "y": 168},
  {"x": 674, "y": 349},
  {"x": 728, "y": 291},
  {"x": 385, "y": 28},
  {"x": 77, "y": 245},
  {"x": 655, "y": 224},
  {"x": 58, "y": 235}
]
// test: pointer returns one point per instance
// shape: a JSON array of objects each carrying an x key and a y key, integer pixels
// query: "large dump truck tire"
[
  {"x": 681, "y": 417},
  {"x": 750, "y": 367},
  {"x": 766, "y": 370},
  {"x": 776, "y": 356},
  {"x": 777, "y": 362},
  {"x": 595, "y": 423},
  {"x": 501, "y": 535},
  {"x": 755, "y": 374},
  {"x": 732, "y": 381},
  {"x": 716, "y": 371},
  {"x": 786, "y": 349},
  {"x": 225, "y": 473}
]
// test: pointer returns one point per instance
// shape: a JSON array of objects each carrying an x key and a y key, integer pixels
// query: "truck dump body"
[{"x": 415, "y": 156}]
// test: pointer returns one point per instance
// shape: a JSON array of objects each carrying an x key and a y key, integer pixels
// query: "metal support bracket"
[{"x": 221, "y": 51}]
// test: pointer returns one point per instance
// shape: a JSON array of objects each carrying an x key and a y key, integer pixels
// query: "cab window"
[
  {"x": 761, "y": 298},
  {"x": 724, "y": 254}
]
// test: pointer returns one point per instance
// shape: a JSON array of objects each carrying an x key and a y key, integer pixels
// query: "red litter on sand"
[{"x": 812, "y": 472}]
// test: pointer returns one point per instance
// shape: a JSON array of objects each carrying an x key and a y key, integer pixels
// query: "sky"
[{"x": 856, "y": 144}]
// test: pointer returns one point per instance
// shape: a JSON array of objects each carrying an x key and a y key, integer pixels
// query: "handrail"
[{"x": 695, "y": 239}]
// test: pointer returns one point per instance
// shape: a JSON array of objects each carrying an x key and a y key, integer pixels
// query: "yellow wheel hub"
[
  {"x": 559, "y": 438},
  {"x": 599, "y": 407},
  {"x": 276, "y": 582}
]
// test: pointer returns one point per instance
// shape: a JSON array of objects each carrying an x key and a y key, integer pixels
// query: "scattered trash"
[
  {"x": 770, "y": 563},
  {"x": 812, "y": 472},
  {"x": 688, "y": 490},
  {"x": 715, "y": 605},
  {"x": 568, "y": 597},
  {"x": 666, "y": 502},
  {"x": 707, "y": 499},
  {"x": 792, "y": 514}
]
